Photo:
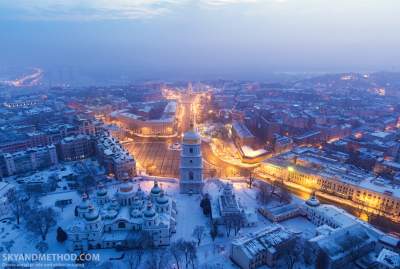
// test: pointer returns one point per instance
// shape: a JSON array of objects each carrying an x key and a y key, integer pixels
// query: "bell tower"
[{"x": 191, "y": 164}]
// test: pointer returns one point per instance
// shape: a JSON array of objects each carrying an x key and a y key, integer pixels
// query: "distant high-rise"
[{"x": 191, "y": 165}]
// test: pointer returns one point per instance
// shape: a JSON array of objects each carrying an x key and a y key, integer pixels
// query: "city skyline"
[{"x": 200, "y": 39}]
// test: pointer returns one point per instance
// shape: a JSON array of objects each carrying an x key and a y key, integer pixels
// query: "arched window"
[
  {"x": 191, "y": 176},
  {"x": 121, "y": 225}
]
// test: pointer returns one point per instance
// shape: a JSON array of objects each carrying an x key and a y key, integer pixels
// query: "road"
[
  {"x": 26, "y": 80},
  {"x": 223, "y": 169},
  {"x": 156, "y": 156}
]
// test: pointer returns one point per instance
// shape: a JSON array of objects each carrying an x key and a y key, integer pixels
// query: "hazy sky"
[{"x": 203, "y": 38}]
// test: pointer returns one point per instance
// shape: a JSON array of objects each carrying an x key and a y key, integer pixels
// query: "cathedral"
[
  {"x": 119, "y": 219},
  {"x": 191, "y": 165}
]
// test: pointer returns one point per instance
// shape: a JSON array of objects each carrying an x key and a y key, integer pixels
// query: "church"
[
  {"x": 191, "y": 164},
  {"x": 120, "y": 219}
]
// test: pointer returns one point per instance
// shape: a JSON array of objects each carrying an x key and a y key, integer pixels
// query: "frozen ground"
[{"x": 211, "y": 254}]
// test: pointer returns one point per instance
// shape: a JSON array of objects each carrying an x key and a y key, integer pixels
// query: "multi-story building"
[
  {"x": 141, "y": 124},
  {"x": 282, "y": 143},
  {"x": 115, "y": 158},
  {"x": 335, "y": 178},
  {"x": 28, "y": 160},
  {"x": 77, "y": 147},
  {"x": 242, "y": 135}
]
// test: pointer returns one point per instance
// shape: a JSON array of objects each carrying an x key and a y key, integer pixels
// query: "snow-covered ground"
[{"x": 214, "y": 254}]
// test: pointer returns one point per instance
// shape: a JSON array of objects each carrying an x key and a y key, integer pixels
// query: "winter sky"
[{"x": 237, "y": 38}]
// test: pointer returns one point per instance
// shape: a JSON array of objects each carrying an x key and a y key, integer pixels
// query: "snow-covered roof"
[
  {"x": 266, "y": 239},
  {"x": 389, "y": 259}
]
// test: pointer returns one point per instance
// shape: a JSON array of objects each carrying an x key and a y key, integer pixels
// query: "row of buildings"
[
  {"x": 329, "y": 173},
  {"x": 28, "y": 160},
  {"x": 109, "y": 152},
  {"x": 140, "y": 122},
  {"x": 340, "y": 241}
]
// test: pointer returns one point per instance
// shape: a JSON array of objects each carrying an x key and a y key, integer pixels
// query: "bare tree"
[
  {"x": 85, "y": 183},
  {"x": 40, "y": 220},
  {"x": 199, "y": 232},
  {"x": 284, "y": 196},
  {"x": 322, "y": 260},
  {"x": 264, "y": 194},
  {"x": 42, "y": 246},
  {"x": 189, "y": 251},
  {"x": 214, "y": 231},
  {"x": 193, "y": 256},
  {"x": 228, "y": 225},
  {"x": 176, "y": 251},
  {"x": 354, "y": 243},
  {"x": 157, "y": 259},
  {"x": 18, "y": 202},
  {"x": 250, "y": 178},
  {"x": 139, "y": 240},
  {"x": 233, "y": 222},
  {"x": 134, "y": 258},
  {"x": 8, "y": 245},
  {"x": 105, "y": 265},
  {"x": 293, "y": 254},
  {"x": 52, "y": 183},
  {"x": 238, "y": 222}
]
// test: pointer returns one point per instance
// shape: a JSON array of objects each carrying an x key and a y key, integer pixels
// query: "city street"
[
  {"x": 158, "y": 159},
  {"x": 156, "y": 156}
]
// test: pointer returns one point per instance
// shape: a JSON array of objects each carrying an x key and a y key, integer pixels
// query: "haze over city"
[{"x": 186, "y": 39}]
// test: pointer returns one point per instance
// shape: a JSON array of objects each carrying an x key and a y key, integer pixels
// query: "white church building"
[{"x": 110, "y": 221}]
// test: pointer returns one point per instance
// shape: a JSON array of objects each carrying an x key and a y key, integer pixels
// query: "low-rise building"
[
  {"x": 388, "y": 259},
  {"x": 340, "y": 248},
  {"x": 227, "y": 210},
  {"x": 281, "y": 213},
  {"x": 263, "y": 247}
]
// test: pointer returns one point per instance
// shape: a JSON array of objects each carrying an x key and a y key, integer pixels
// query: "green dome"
[
  {"x": 162, "y": 199},
  {"x": 102, "y": 192},
  {"x": 149, "y": 212},
  {"x": 136, "y": 214},
  {"x": 156, "y": 189},
  {"x": 92, "y": 215}
]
